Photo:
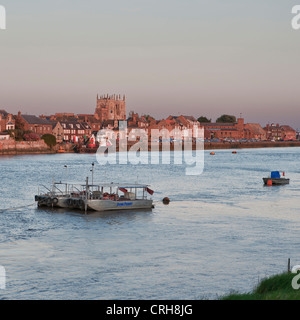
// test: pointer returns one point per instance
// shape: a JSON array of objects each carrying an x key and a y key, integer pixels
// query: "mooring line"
[{"x": 16, "y": 208}]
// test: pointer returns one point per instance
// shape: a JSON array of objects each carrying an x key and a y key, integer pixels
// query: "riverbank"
[
  {"x": 278, "y": 287},
  {"x": 132, "y": 146},
  {"x": 244, "y": 145},
  {"x": 12, "y": 147}
]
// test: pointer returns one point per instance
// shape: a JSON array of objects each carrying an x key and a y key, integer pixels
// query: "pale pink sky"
[{"x": 168, "y": 57}]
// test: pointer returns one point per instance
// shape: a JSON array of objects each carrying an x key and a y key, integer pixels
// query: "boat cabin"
[{"x": 117, "y": 191}]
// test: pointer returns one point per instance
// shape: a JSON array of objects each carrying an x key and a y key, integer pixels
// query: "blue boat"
[{"x": 276, "y": 179}]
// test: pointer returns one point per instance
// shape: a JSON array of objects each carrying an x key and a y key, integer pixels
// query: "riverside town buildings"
[
  {"x": 277, "y": 132},
  {"x": 236, "y": 131},
  {"x": 111, "y": 109}
]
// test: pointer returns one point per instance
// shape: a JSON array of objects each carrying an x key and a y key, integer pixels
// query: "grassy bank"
[{"x": 278, "y": 287}]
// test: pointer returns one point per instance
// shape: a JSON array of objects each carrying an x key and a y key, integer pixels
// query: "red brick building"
[
  {"x": 235, "y": 131},
  {"x": 175, "y": 122},
  {"x": 75, "y": 131},
  {"x": 134, "y": 121},
  {"x": 257, "y": 132},
  {"x": 220, "y": 130},
  {"x": 7, "y": 121},
  {"x": 277, "y": 132},
  {"x": 93, "y": 122},
  {"x": 35, "y": 124}
]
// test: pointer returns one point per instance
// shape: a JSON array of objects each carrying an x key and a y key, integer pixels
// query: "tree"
[
  {"x": 203, "y": 119},
  {"x": 148, "y": 117},
  {"x": 19, "y": 123},
  {"x": 226, "y": 118},
  {"x": 31, "y": 136},
  {"x": 19, "y": 129},
  {"x": 49, "y": 139}
]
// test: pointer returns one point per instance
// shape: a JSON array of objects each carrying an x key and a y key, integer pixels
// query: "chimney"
[
  {"x": 19, "y": 114},
  {"x": 240, "y": 123}
]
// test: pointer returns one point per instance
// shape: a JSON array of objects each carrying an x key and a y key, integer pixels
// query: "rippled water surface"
[{"x": 222, "y": 231}]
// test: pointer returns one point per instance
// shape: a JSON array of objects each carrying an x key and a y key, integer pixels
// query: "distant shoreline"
[
  {"x": 231, "y": 145},
  {"x": 207, "y": 146},
  {"x": 245, "y": 145}
]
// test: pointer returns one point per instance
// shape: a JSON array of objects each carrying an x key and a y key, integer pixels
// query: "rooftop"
[
  {"x": 31, "y": 119},
  {"x": 4, "y": 113}
]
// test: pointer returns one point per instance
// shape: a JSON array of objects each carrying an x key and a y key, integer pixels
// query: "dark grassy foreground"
[{"x": 278, "y": 287}]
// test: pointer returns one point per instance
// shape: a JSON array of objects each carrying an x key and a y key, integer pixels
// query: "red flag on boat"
[
  {"x": 123, "y": 190},
  {"x": 150, "y": 191}
]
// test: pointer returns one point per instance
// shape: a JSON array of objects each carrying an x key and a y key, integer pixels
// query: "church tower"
[{"x": 110, "y": 108}]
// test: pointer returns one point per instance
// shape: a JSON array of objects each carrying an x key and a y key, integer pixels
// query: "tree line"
[{"x": 225, "y": 118}]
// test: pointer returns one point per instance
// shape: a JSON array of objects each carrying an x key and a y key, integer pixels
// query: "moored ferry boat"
[
  {"x": 116, "y": 196},
  {"x": 97, "y": 197},
  {"x": 111, "y": 196}
]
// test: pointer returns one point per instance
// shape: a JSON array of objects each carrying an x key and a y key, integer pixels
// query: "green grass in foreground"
[{"x": 278, "y": 287}]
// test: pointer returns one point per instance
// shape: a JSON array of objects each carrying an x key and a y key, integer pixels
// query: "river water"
[{"x": 223, "y": 230}]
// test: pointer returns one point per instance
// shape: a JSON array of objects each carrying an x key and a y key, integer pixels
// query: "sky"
[{"x": 169, "y": 57}]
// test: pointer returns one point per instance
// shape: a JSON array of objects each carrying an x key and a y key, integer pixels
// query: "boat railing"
[{"x": 98, "y": 192}]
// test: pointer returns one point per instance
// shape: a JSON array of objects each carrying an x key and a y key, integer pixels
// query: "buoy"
[
  {"x": 233, "y": 151},
  {"x": 269, "y": 182},
  {"x": 212, "y": 153},
  {"x": 166, "y": 200},
  {"x": 283, "y": 173}
]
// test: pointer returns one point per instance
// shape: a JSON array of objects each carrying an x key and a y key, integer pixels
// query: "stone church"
[{"x": 110, "y": 108}]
